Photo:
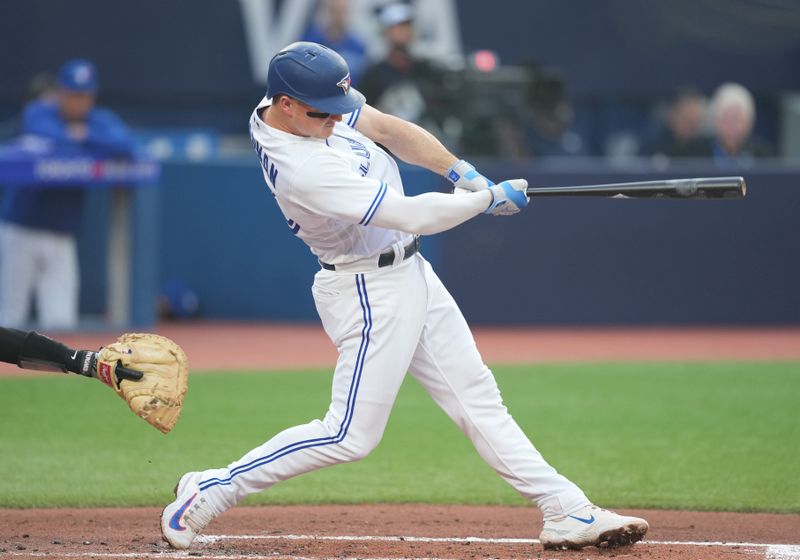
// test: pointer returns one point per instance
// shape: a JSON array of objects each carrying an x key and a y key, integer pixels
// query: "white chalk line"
[
  {"x": 772, "y": 551},
  {"x": 194, "y": 555},
  {"x": 197, "y": 555},
  {"x": 456, "y": 540}
]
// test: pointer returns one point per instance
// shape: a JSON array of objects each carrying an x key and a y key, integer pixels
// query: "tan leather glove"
[{"x": 158, "y": 396}]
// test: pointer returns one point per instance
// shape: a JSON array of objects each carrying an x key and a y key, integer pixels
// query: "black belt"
[{"x": 387, "y": 258}]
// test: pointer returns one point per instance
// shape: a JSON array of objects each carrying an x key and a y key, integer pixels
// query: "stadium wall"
[{"x": 562, "y": 262}]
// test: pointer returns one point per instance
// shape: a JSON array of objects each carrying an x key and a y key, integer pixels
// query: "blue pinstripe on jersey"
[
  {"x": 374, "y": 206},
  {"x": 366, "y": 310}
]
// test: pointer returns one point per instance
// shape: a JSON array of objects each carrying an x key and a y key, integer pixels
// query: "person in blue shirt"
[
  {"x": 331, "y": 30},
  {"x": 38, "y": 225}
]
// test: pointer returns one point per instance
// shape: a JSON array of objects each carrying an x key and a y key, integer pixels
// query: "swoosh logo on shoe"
[
  {"x": 582, "y": 520},
  {"x": 175, "y": 520}
]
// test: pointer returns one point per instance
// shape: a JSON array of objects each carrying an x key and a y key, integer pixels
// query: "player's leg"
[
  {"x": 448, "y": 365},
  {"x": 18, "y": 256},
  {"x": 374, "y": 320},
  {"x": 58, "y": 283}
]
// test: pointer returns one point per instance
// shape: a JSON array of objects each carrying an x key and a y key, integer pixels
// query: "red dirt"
[
  {"x": 280, "y": 346},
  {"x": 135, "y": 532}
]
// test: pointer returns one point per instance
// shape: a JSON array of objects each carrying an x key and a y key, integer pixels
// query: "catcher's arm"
[{"x": 31, "y": 350}]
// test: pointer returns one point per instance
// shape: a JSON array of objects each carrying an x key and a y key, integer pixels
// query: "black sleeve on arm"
[
  {"x": 10, "y": 345},
  {"x": 42, "y": 353}
]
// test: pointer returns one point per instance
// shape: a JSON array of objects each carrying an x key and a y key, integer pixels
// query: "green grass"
[{"x": 711, "y": 436}]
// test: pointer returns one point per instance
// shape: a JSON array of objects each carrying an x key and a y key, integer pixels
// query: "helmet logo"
[{"x": 344, "y": 83}]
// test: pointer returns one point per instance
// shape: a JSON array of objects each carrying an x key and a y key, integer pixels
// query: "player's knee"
[{"x": 355, "y": 447}]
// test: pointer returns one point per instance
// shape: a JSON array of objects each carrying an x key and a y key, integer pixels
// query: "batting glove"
[
  {"x": 465, "y": 179},
  {"x": 508, "y": 197}
]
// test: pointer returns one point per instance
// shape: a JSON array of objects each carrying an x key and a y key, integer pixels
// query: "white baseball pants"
[
  {"x": 41, "y": 264},
  {"x": 385, "y": 322}
]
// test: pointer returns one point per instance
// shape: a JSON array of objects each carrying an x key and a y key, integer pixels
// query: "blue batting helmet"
[{"x": 314, "y": 74}]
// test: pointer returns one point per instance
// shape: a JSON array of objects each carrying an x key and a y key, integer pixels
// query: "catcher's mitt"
[{"x": 157, "y": 397}]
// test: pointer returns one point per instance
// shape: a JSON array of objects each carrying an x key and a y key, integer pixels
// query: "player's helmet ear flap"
[{"x": 314, "y": 74}]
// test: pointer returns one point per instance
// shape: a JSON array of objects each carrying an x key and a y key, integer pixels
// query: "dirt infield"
[
  {"x": 236, "y": 346},
  {"x": 384, "y": 531},
  {"x": 412, "y": 531}
]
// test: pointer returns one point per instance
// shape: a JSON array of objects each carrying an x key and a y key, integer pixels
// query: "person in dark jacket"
[
  {"x": 683, "y": 135},
  {"x": 402, "y": 84}
]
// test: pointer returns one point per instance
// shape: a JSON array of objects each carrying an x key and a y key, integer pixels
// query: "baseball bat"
[{"x": 702, "y": 187}]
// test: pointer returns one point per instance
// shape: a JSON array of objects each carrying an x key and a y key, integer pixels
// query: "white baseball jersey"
[
  {"x": 384, "y": 321},
  {"x": 329, "y": 189}
]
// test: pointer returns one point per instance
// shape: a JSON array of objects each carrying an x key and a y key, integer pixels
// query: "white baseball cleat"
[
  {"x": 592, "y": 526},
  {"x": 183, "y": 519}
]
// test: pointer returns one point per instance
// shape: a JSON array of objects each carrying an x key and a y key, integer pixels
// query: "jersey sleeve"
[
  {"x": 108, "y": 134},
  {"x": 330, "y": 188},
  {"x": 41, "y": 120},
  {"x": 350, "y": 119}
]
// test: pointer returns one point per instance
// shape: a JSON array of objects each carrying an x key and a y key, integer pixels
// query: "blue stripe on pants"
[{"x": 361, "y": 287}]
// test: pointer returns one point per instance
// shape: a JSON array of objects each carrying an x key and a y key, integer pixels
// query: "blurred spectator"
[
  {"x": 733, "y": 116},
  {"x": 683, "y": 134},
  {"x": 401, "y": 84},
  {"x": 551, "y": 117},
  {"x": 554, "y": 136},
  {"x": 332, "y": 30},
  {"x": 39, "y": 224}
]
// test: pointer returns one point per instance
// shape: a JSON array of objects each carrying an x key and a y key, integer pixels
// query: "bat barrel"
[
  {"x": 703, "y": 187},
  {"x": 710, "y": 187}
]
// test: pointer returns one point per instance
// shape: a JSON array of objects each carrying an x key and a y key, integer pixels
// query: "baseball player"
[
  {"x": 380, "y": 302},
  {"x": 31, "y": 350},
  {"x": 39, "y": 226}
]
